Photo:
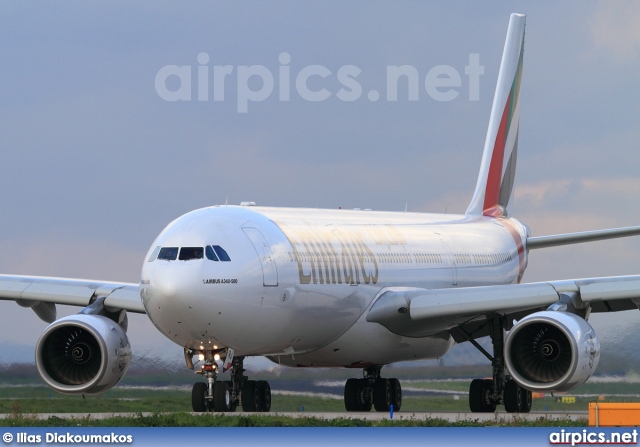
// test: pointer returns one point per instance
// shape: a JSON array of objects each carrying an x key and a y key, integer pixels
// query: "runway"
[{"x": 497, "y": 417}]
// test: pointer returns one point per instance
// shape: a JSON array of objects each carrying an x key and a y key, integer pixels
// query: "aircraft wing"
[
  {"x": 43, "y": 293},
  {"x": 584, "y": 236},
  {"x": 463, "y": 312}
]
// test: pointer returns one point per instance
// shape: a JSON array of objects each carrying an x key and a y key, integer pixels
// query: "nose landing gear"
[
  {"x": 211, "y": 395},
  {"x": 225, "y": 396}
]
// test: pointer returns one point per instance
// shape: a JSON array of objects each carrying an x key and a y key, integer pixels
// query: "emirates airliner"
[{"x": 343, "y": 288}]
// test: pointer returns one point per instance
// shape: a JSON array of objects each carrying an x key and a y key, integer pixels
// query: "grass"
[{"x": 220, "y": 420}]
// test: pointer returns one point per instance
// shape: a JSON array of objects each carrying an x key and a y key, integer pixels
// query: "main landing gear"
[
  {"x": 372, "y": 390},
  {"x": 226, "y": 396},
  {"x": 486, "y": 394}
]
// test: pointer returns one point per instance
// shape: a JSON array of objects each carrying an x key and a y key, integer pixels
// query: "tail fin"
[{"x": 497, "y": 170}]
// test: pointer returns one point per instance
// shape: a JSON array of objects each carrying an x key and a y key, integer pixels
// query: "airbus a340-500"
[{"x": 343, "y": 288}]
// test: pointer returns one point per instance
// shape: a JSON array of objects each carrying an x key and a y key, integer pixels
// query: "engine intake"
[
  {"x": 83, "y": 354},
  {"x": 552, "y": 351}
]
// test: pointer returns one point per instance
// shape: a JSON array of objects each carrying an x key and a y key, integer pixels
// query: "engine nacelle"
[
  {"x": 83, "y": 354},
  {"x": 551, "y": 351}
]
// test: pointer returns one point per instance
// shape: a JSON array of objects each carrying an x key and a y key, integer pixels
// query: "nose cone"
[{"x": 201, "y": 273}]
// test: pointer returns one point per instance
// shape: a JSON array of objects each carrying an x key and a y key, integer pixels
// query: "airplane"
[{"x": 343, "y": 288}]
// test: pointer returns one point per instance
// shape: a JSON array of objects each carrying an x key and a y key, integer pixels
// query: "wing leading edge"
[{"x": 43, "y": 293}]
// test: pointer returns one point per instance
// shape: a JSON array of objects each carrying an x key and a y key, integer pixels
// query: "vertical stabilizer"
[{"x": 497, "y": 170}]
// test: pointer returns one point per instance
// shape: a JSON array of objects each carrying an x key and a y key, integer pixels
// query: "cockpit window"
[
  {"x": 210, "y": 253},
  {"x": 188, "y": 253},
  {"x": 213, "y": 252},
  {"x": 154, "y": 255},
  {"x": 221, "y": 253},
  {"x": 168, "y": 253}
]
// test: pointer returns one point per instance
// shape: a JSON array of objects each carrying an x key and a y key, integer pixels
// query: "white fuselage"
[{"x": 298, "y": 282}]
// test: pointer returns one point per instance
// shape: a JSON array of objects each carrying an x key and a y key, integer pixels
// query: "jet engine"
[
  {"x": 83, "y": 354},
  {"x": 551, "y": 351}
]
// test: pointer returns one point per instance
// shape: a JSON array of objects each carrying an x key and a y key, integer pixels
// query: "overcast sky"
[{"x": 96, "y": 160}]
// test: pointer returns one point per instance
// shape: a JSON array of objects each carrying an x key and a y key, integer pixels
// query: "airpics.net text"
[{"x": 255, "y": 83}]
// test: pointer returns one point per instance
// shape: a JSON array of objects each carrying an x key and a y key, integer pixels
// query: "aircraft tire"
[
  {"x": 525, "y": 400},
  {"x": 364, "y": 395},
  {"x": 396, "y": 394},
  {"x": 263, "y": 396},
  {"x": 198, "y": 393},
  {"x": 512, "y": 397},
  {"x": 351, "y": 395},
  {"x": 249, "y": 400},
  {"x": 382, "y": 395},
  {"x": 479, "y": 401},
  {"x": 233, "y": 403},
  {"x": 221, "y": 397}
]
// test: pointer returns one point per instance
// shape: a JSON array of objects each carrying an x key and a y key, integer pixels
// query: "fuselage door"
[
  {"x": 452, "y": 259},
  {"x": 267, "y": 261}
]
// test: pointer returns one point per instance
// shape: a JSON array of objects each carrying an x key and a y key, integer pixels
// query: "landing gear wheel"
[
  {"x": 221, "y": 397},
  {"x": 351, "y": 395},
  {"x": 490, "y": 404},
  {"x": 512, "y": 397},
  {"x": 357, "y": 395},
  {"x": 372, "y": 390},
  {"x": 480, "y": 396},
  {"x": 516, "y": 398},
  {"x": 382, "y": 395},
  {"x": 396, "y": 394},
  {"x": 233, "y": 404},
  {"x": 263, "y": 396},
  {"x": 476, "y": 396},
  {"x": 364, "y": 395},
  {"x": 525, "y": 400},
  {"x": 249, "y": 401},
  {"x": 198, "y": 393}
]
